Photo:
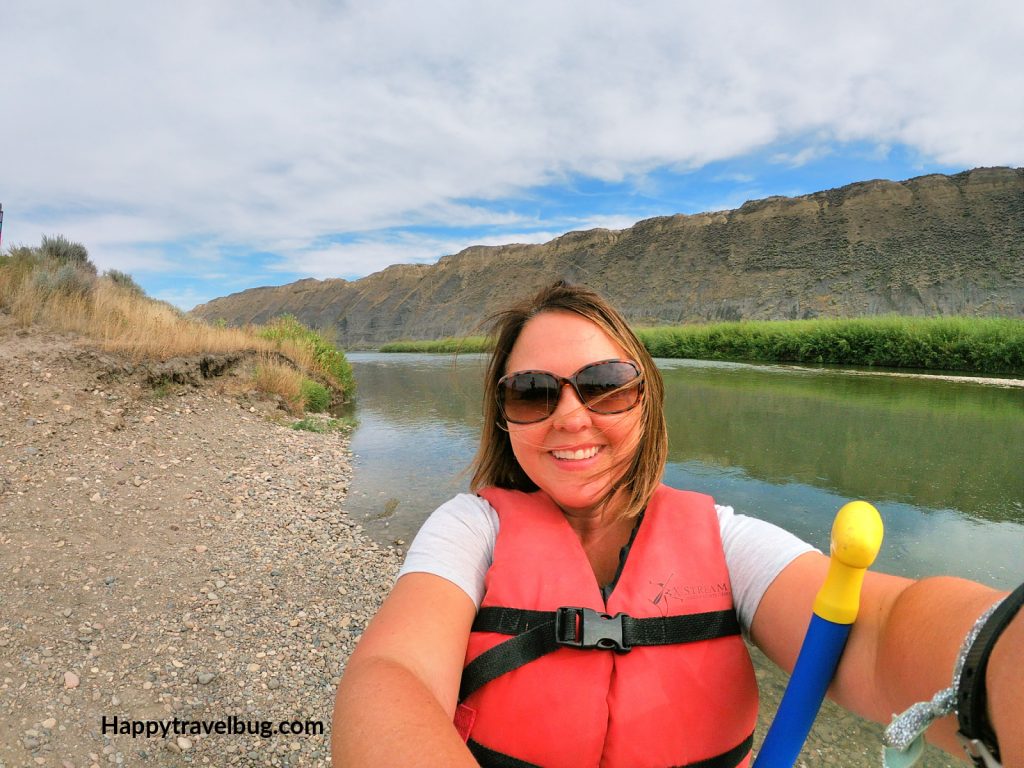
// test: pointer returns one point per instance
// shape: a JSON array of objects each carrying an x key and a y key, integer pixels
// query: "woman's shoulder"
[
  {"x": 465, "y": 509},
  {"x": 457, "y": 543}
]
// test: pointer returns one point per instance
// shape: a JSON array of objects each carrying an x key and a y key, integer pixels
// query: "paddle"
[{"x": 856, "y": 539}]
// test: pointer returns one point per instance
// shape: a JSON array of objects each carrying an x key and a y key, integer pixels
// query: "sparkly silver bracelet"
[
  {"x": 904, "y": 736},
  {"x": 976, "y": 732}
]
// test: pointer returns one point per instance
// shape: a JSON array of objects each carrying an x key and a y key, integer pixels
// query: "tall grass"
[
  {"x": 277, "y": 378},
  {"x": 452, "y": 344},
  {"x": 970, "y": 344},
  {"x": 57, "y": 287}
]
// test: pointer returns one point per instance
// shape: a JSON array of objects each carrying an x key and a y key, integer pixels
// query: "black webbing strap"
[
  {"x": 535, "y": 642},
  {"x": 489, "y": 758},
  {"x": 729, "y": 759},
  {"x": 670, "y": 630},
  {"x": 657, "y": 630},
  {"x": 509, "y": 621},
  {"x": 537, "y": 633}
]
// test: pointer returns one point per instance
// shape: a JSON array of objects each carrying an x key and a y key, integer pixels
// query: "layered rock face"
[{"x": 932, "y": 245}]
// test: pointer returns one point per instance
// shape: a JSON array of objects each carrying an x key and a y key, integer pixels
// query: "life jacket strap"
[
  {"x": 538, "y": 633},
  {"x": 489, "y": 758}
]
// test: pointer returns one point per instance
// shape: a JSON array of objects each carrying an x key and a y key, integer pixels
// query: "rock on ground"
[{"x": 177, "y": 552}]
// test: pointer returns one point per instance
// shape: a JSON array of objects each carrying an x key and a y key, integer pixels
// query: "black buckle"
[{"x": 594, "y": 630}]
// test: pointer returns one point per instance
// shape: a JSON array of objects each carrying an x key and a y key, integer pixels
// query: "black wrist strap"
[{"x": 971, "y": 695}]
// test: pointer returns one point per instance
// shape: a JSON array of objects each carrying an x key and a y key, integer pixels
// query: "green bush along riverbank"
[
  {"x": 331, "y": 360},
  {"x": 969, "y": 344},
  {"x": 456, "y": 344}
]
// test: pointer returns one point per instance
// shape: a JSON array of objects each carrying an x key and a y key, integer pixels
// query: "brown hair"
[{"x": 496, "y": 465}]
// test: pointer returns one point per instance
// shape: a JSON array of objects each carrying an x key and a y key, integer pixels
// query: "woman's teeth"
[{"x": 577, "y": 455}]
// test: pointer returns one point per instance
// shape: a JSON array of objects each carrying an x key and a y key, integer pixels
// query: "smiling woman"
[
  {"x": 575, "y": 569},
  {"x": 573, "y": 452},
  {"x": 568, "y": 332}
]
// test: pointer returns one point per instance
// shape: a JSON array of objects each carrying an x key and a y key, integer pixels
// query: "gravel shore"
[
  {"x": 181, "y": 554},
  {"x": 169, "y": 553}
]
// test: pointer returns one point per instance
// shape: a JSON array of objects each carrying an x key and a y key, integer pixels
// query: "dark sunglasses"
[{"x": 608, "y": 386}]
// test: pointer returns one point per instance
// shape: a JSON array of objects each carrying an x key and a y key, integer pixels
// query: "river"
[{"x": 941, "y": 460}]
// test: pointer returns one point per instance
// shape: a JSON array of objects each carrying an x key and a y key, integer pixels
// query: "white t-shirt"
[{"x": 457, "y": 543}]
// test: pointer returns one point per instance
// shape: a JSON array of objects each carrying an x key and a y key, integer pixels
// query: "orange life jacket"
[{"x": 553, "y": 678}]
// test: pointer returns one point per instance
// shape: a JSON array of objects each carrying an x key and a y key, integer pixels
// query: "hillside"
[{"x": 932, "y": 245}]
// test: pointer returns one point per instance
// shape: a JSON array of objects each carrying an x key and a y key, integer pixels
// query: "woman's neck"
[{"x": 602, "y": 537}]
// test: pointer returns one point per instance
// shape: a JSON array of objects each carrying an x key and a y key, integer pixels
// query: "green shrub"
[
  {"x": 56, "y": 267},
  {"x": 71, "y": 280},
  {"x": 975, "y": 344},
  {"x": 330, "y": 359},
  {"x": 63, "y": 251},
  {"x": 315, "y": 397},
  {"x": 452, "y": 344},
  {"x": 125, "y": 281}
]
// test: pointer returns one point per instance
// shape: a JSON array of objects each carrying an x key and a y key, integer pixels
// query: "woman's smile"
[
  {"x": 577, "y": 459},
  {"x": 576, "y": 454}
]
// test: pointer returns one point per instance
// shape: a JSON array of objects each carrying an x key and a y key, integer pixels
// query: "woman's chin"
[{"x": 583, "y": 499}]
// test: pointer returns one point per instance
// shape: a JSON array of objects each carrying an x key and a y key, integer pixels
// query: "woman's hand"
[
  {"x": 398, "y": 694},
  {"x": 902, "y": 648}
]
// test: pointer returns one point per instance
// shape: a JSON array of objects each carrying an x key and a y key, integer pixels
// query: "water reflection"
[
  {"x": 941, "y": 460},
  {"x": 930, "y": 444},
  {"x": 419, "y": 420}
]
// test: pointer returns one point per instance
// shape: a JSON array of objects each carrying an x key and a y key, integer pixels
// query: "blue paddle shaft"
[{"x": 819, "y": 655}]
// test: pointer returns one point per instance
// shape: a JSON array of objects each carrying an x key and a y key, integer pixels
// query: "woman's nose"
[{"x": 570, "y": 413}]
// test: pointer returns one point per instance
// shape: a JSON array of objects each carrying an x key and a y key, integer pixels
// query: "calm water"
[{"x": 942, "y": 461}]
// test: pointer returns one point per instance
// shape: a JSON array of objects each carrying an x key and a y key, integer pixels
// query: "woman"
[{"x": 571, "y": 524}]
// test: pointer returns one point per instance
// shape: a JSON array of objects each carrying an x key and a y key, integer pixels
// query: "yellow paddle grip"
[{"x": 856, "y": 538}]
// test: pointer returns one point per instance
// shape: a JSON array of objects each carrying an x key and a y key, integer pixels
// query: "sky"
[{"x": 210, "y": 147}]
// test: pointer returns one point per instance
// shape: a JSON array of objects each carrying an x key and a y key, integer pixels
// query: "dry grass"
[
  {"x": 278, "y": 378},
  {"x": 136, "y": 326},
  {"x": 129, "y": 323}
]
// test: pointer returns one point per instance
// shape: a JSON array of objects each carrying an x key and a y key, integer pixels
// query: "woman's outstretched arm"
[
  {"x": 903, "y": 647},
  {"x": 397, "y": 697}
]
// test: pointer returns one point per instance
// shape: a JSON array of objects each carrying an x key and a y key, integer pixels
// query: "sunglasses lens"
[
  {"x": 528, "y": 397},
  {"x": 609, "y": 387},
  {"x": 531, "y": 396}
]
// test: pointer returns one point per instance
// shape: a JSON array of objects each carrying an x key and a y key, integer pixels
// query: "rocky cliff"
[{"x": 932, "y": 245}]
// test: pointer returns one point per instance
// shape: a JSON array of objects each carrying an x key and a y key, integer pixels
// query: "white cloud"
[
  {"x": 376, "y": 251},
  {"x": 735, "y": 178},
  {"x": 359, "y": 258},
  {"x": 273, "y": 126},
  {"x": 597, "y": 222},
  {"x": 803, "y": 156}
]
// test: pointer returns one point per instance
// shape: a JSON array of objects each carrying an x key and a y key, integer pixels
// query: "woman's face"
[{"x": 548, "y": 451}]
